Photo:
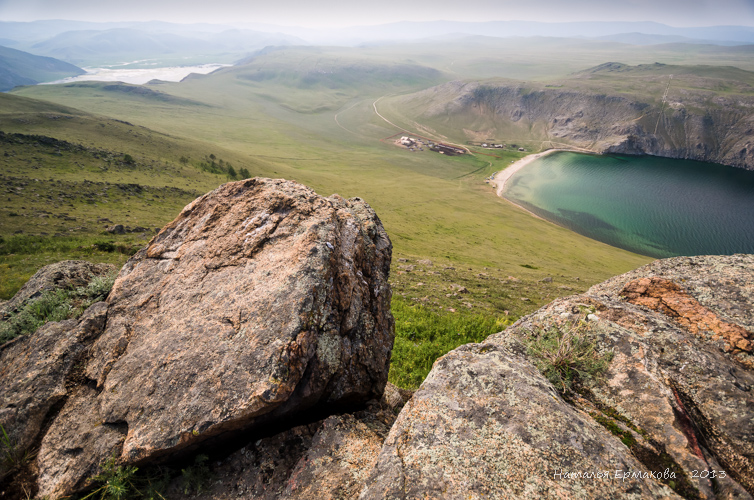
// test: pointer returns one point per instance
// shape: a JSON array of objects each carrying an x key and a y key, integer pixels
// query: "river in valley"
[
  {"x": 140, "y": 75},
  {"x": 654, "y": 206}
]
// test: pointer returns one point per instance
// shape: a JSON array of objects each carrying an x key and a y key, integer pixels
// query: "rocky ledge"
[
  {"x": 255, "y": 329},
  {"x": 671, "y": 415}
]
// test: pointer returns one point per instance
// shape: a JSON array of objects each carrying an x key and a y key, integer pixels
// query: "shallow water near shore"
[{"x": 654, "y": 206}]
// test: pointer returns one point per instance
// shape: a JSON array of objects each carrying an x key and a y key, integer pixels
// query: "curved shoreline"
[{"x": 502, "y": 177}]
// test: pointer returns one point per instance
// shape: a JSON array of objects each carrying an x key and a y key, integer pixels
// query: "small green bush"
[
  {"x": 52, "y": 305},
  {"x": 104, "y": 246},
  {"x": 117, "y": 482},
  {"x": 56, "y": 305},
  {"x": 98, "y": 288},
  {"x": 567, "y": 354}
]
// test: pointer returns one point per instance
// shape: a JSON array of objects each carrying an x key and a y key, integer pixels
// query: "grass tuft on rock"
[
  {"x": 11, "y": 456},
  {"x": 567, "y": 353}
]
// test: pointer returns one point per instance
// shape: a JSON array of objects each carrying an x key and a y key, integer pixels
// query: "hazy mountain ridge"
[
  {"x": 123, "y": 44},
  {"x": 412, "y": 30},
  {"x": 21, "y": 68},
  {"x": 23, "y": 35},
  {"x": 317, "y": 68}
]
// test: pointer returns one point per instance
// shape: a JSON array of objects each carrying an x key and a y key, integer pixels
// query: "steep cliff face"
[{"x": 611, "y": 109}]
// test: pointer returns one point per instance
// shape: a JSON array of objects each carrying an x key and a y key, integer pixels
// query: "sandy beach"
[{"x": 502, "y": 177}]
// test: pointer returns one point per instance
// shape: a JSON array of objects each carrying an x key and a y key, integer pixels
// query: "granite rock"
[{"x": 259, "y": 302}]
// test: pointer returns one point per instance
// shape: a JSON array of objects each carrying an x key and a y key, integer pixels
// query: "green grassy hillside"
[
  {"x": 433, "y": 207},
  {"x": 135, "y": 157}
]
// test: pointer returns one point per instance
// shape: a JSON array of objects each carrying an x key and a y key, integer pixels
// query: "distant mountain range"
[
  {"x": 21, "y": 68},
  {"x": 92, "y": 44},
  {"x": 89, "y": 47},
  {"x": 719, "y": 35},
  {"x": 96, "y": 44}
]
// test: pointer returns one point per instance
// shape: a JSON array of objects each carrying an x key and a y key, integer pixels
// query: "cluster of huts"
[{"x": 418, "y": 145}]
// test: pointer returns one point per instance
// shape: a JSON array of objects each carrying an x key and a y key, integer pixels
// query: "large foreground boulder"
[
  {"x": 671, "y": 416},
  {"x": 259, "y": 302}
]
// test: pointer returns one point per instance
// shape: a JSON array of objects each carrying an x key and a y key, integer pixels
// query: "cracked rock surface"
[{"x": 678, "y": 395}]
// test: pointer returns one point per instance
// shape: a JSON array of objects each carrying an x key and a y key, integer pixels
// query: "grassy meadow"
[{"x": 465, "y": 263}]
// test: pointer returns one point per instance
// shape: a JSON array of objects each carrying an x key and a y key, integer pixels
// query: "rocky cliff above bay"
[{"x": 669, "y": 111}]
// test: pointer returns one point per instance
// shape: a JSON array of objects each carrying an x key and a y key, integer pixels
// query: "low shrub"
[
  {"x": 104, "y": 246},
  {"x": 568, "y": 354},
  {"x": 55, "y": 305},
  {"x": 123, "y": 482},
  {"x": 117, "y": 482}
]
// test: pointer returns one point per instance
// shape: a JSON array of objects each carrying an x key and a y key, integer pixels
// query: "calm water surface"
[{"x": 653, "y": 206}]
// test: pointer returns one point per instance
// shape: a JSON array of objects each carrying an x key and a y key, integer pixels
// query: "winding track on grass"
[
  {"x": 343, "y": 111},
  {"x": 374, "y": 105}
]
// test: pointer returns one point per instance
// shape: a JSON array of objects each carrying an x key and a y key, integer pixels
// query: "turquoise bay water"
[{"x": 654, "y": 206}]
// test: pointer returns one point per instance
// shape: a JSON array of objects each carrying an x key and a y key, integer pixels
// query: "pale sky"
[{"x": 338, "y": 13}]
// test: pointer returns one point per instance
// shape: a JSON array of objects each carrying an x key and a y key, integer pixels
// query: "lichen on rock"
[{"x": 673, "y": 405}]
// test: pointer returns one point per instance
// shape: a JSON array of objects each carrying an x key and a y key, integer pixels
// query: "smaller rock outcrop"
[
  {"x": 672, "y": 411},
  {"x": 486, "y": 424},
  {"x": 65, "y": 274},
  {"x": 37, "y": 371},
  {"x": 329, "y": 459}
]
